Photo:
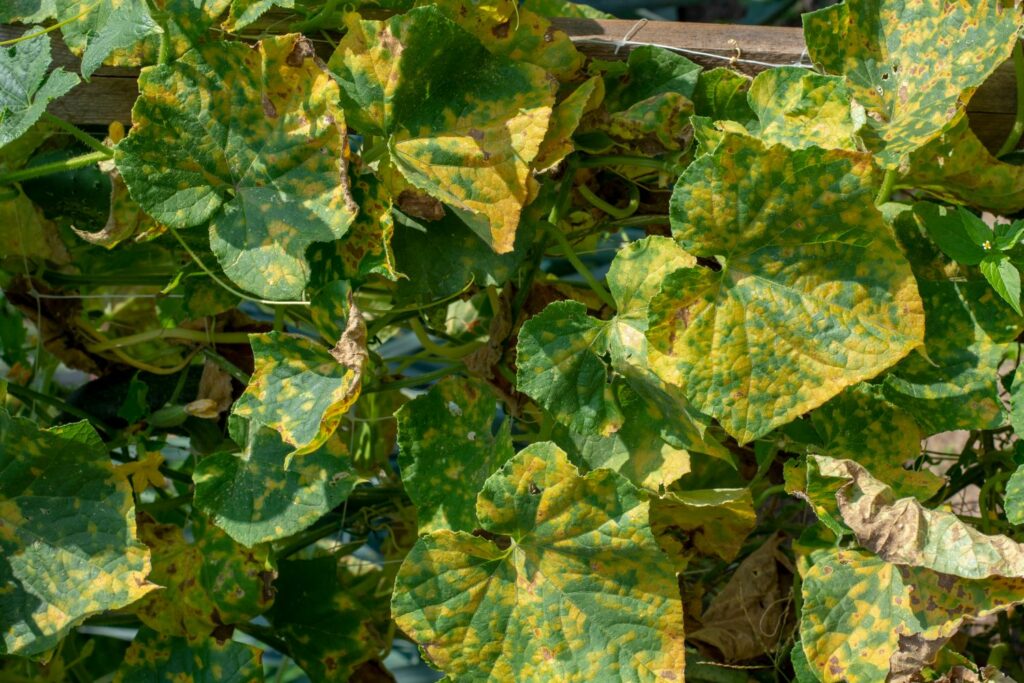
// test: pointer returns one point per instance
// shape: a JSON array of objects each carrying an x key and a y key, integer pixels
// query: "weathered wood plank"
[{"x": 111, "y": 92}]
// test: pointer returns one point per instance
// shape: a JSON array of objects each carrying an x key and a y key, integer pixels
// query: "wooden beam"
[{"x": 111, "y": 92}]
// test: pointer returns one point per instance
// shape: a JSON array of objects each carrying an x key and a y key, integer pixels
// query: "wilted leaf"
[
  {"x": 25, "y": 232},
  {"x": 301, "y": 389},
  {"x": 270, "y": 188},
  {"x": 912, "y": 66},
  {"x": 865, "y": 620},
  {"x": 262, "y": 495},
  {"x": 125, "y": 218},
  {"x": 25, "y": 86},
  {"x": 153, "y": 656},
  {"x": 561, "y": 602},
  {"x": 67, "y": 534},
  {"x": 460, "y": 123},
  {"x": 332, "y": 617},
  {"x": 811, "y": 294},
  {"x": 210, "y": 582},
  {"x": 748, "y": 618},
  {"x": 447, "y": 452},
  {"x": 710, "y": 522}
]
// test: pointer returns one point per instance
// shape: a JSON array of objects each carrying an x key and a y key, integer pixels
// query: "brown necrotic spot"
[{"x": 302, "y": 50}]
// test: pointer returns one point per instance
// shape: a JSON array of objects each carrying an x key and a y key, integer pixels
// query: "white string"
[{"x": 735, "y": 59}]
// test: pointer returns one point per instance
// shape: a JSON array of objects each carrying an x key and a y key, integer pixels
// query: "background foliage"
[{"x": 404, "y": 330}]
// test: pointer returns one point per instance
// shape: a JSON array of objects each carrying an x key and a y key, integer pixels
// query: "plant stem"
[
  {"x": 417, "y": 381},
  {"x": 888, "y": 183},
  {"x": 171, "y": 333},
  {"x": 569, "y": 254},
  {"x": 634, "y": 222},
  {"x": 48, "y": 29},
  {"x": 449, "y": 352},
  {"x": 1013, "y": 139},
  {"x": 611, "y": 210},
  {"x": 623, "y": 160},
  {"x": 53, "y": 167},
  {"x": 24, "y": 394},
  {"x": 78, "y": 134},
  {"x": 226, "y": 365}
]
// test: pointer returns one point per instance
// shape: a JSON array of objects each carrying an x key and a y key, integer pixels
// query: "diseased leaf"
[
  {"x": 902, "y": 531},
  {"x": 25, "y": 86},
  {"x": 262, "y": 495},
  {"x": 154, "y": 656},
  {"x": 912, "y": 66},
  {"x": 722, "y": 94},
  {"x": 710, "y": 522},
  {"x": 27, "y": 11},
  {"x": 864, "y": 619},
  {"x": 245, "y": 12},
  {"x": 125, "y": 219},
  {"x": 25, "y": 232},
  {"x": 560, "y": 602},
  {"x": 800, "y": 109},
  {"x": 332, "y": 616},
  {"x": 102, "y": 29},
  {"x": 954, "y": 385},
  {"x": 68, "y": 548},
  {"x": 565, "y": 119},
  {"x": 299, "y": 388},
  {"x": 461, "y": 124},
  {"x": 210, "y": 582},
  {"x": 811, "y": 293},
  {"x": 448, "y": 450},
  {"x": 270, "y": 188},
  {"x": 1014, "y": 498},
  {"x": 751, "y": 614},
  {"x": 957, "y": 167}
]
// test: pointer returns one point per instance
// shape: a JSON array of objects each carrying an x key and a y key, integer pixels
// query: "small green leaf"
[
  {"x": 810, "y": 293},
  {"x": 956, "y": 232},
  {"x": 332, "y": 615},
  {"x": 209, "y": 580},
  {"x": 153, "y": 657},
  {"x": 1008, "y": 234},
  {"x": 233, "y": 489},
  {"x": 269, "y": 188},
  {"x": 1004, "y": 278},
  {"x": 912, "y": 66},
  {"x": 447, "y": 452},
  {"x": 299, "y": 388},
  {"x": 25, "y": 86},
  {"x": 67, "y": 534},
  {"x": 559, "y": 602}
]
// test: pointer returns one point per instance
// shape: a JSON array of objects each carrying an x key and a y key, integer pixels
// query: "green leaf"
[
  {"x": 956, "y": 232},
  {"x": 135, "y": 406},
  {"x": 299, "y": 388},
  {"x": 234, "y": 490},
  {"x": 708, "y": 522},
  {"x": 958, "y": 168},
  {"x": 811, "y": 293},
  {"x": 559, "y": 603},
  {"x": 67, "y": 534},
  {"x": 1008, "y": 234},
  {"x": 461, "y": 124},
  {"x": 954, "y": 384},
  {"x": 904, "y": 532},
  {"x": 865, "y": 620},
  {"x": 1013, "y": 501},
  {"x": 722, "y": 94},
  {"x": 101, "y": 29},
  {"x": 209, "y": 580},
  {"x": 560, "y": 365},
  {"x": 269, "y": 188},
  {"x": 28, "y": 11},
  {"x": 25, "y": 86},
  {"x": 157, "y": 657},
  {"x": 332, "y": 615},
  {"x": 801, "y": 109},
  {"x": 912, "y": 67},
  {"x": 1004, "y": 278},
  {"x": 448, "y": 450}
]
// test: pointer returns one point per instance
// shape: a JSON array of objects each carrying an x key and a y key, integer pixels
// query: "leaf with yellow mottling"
[
  {"x": 245, "y": 12},
  {"x": 209, "y": 581},
  {"x": 253, "y": 142},
  {"x": 808, "y": 293},
  {"x": 913, "y": 66},
  {"x": 262, "y": 495},
  {"x": 68, "y": 548},
  {"x": 448, "y": 450},
  {"x": 709, "y": 522},
  {"x": 459, "y": 123},
  {"x": 957, "y": 167},
  {"x": 26, "y": 233},
  {"x": 154, "y": 656},
  {"x": 560, "y": 602},
  {"x": 565, "y": 119},
  {"x": 864, "y": 620},
  {"x": 299, "y": 389}
]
